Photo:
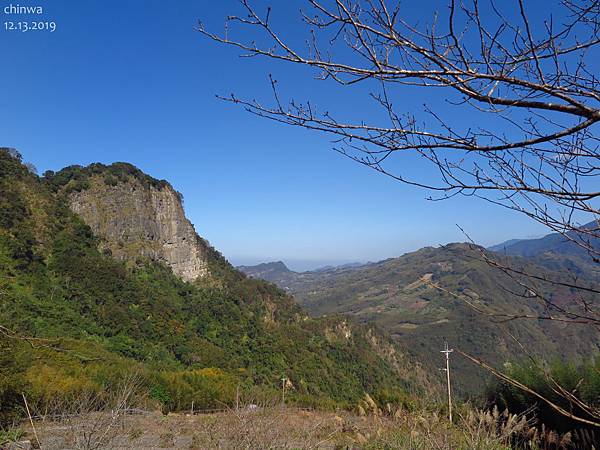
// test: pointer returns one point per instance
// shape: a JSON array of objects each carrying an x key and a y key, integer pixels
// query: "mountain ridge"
[
  {"x": 424, "y": 297},
  {"x": 60, "y": 285},
  {"x": 564, "y": 244},
  {"x": 135, "y": 215}
]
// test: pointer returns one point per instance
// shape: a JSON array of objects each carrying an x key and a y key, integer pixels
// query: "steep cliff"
[
  {"x": 191, "y": 342},
  {"x": 136, "y": 217}
]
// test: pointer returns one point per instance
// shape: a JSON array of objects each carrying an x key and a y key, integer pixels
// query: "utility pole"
[
  {"x": 283, "y": 380},
  {"x": 447, "y": 370}
]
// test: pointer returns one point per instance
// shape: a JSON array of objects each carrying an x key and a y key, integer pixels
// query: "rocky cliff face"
[{"x": 136, "y": 219}]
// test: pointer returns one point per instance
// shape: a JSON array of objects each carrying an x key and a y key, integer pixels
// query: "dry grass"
[
  {"x": 93, "y": 423},
  {"x": 279, "y": 428},
  {"x": 270, "y": 428}
]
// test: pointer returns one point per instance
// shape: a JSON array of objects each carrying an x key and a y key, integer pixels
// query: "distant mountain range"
[
  {"x": 566, "y": 253},
  {"x": 267, "y": 271},
  {"x": 341, "y": 266},
  {"x": 422, "y": 298},
  {"x": 504, "y": 245},
  {"x": 564, "y": 245}
]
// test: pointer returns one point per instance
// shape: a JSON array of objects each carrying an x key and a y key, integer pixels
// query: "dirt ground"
[
  {"x": 260, "y": 429},
  {"x": 278, "y": 428}
]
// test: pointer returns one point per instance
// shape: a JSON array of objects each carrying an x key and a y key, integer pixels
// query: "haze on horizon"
[{"x": 258, "y": 191}]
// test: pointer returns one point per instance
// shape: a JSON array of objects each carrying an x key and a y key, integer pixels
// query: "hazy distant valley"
[{"x": 431, "y": 295}]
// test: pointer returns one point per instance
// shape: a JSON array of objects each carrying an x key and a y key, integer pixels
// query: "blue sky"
[{"x": 132, "y": 81}]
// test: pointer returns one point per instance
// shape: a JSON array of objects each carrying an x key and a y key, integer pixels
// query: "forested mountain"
[
  {"x": 433, "y": 294},
  {"x": 570, "y": 244},
  {"x": 573, "y": 254},
  {"x": 503, "y": 245},
  {"x": 275, "y": 272},
  {"x": 98, "y": 277}
]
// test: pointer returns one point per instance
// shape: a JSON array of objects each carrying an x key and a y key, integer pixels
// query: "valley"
[{"x": 435, "y": 294}]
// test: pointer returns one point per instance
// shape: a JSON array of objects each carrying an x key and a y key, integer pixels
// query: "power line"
[
  {"x": 447, "y": 352},
  {"x": 283, "y": 382}
]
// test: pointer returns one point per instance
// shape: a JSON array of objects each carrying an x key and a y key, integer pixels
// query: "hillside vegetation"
[
  {"x": 75, "y": 319},
  {"x": 436, "y": 294}
]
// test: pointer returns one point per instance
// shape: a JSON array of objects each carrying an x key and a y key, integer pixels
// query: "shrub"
[{"x": 582, "y": 380}]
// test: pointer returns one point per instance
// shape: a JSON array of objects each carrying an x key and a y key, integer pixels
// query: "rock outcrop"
[{"x": 136, "y": 219}]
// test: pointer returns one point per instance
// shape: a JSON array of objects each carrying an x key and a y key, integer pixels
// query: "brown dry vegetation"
[
  {"x": 286, "y": 428},
  {"x": 113, "y": 421}
]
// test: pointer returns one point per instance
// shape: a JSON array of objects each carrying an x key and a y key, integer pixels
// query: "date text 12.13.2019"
[{"x": 30, "y": 26}]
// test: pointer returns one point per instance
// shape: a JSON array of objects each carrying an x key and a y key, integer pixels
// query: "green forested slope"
[
  {"x": 435, "y": 294},
  {"x": 91, "y": 318}
]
